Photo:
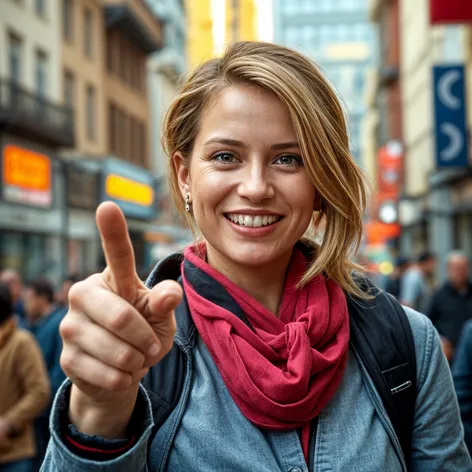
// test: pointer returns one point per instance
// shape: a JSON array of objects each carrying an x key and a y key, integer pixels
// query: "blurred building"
[
  {"x": 200, "y": 40},
  {"x": 34, "y": 124},
  {"x": 337, "y": 35},
  {"x": 382, "y": 135},
  {"x": 430, "y": 123},
  {"x": 106, "y": 47},
  {"x": 241, "y": 24},
  {"x": 166, "y": 69}
]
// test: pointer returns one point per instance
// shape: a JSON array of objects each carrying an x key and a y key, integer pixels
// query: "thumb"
[{"x": 163, "y": 300}]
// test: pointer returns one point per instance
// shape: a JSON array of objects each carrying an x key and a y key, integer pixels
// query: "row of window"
[
  {"x": 125, "y": 60},
  {"x": 90, "y": 103},
  {"x": 15, "y": 64},
  {"x": 296, "y": 7},
  {"x": 127, "y": 136},
  {"x": 40, "y": 7},
  {"x": 68, "y": 14},
  {"x": 317, "y": 36}
]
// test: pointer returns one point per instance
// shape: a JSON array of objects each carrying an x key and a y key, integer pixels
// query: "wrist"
[{"x": 108, "y": 418}]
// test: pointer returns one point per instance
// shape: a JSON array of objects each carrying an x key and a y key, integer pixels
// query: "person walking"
[
  {"x": 255, "y": 348},
  {"x": 394, "y": 281},
  {"x": 14, "y": 281},
  {"x": 24, "y": 390},
  {"x": 43, "y": 320},
  {"x": 416, "y": 286},
  {"x": 451, "y": 305}
]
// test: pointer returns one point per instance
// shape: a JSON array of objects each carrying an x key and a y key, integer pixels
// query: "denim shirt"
[{"x": 207, "y": 432}]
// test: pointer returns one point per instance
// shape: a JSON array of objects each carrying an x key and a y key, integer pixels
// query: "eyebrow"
[{"x": 234, "y": 142}]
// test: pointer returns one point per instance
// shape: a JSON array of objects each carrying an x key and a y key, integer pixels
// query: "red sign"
[{"x": 450, "y": 11}]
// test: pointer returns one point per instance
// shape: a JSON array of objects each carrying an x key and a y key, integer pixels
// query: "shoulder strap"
[{"x": 382, "y": 337}]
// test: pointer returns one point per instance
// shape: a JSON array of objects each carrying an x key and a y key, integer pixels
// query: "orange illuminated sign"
[
  {"x": 127, "y": 190},
  {"x": 26, "y": 169}
]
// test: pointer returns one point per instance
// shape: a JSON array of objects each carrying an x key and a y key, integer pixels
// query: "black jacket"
[{"x": 449, "y": 310}]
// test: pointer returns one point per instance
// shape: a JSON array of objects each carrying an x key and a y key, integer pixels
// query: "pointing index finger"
[{"x": 117, "y": 247}]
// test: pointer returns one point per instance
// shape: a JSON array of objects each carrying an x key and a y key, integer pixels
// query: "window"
[
  {"x": 40, "y": 7},
  {"x": 90, "y": 113},
  {"x": 67, "y": 20},
  {"x": 88, "y": 32},
  {"x": 15, "y": 53},
  {"x": 69, "y": 89},
  {"x": 41, "y": 73}
]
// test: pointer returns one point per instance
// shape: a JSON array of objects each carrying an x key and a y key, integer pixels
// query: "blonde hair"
[{"x": 321, "y": 130}]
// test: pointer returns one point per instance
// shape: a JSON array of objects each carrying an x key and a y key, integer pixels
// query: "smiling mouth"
[{"x": 253, "y": 221}]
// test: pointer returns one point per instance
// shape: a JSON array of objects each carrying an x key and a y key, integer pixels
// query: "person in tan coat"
[{"x": 24, "y": 390}]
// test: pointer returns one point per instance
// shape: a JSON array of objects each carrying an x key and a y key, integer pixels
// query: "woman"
[
  {"x": 24, "y": 390},
  {"x": 260, "y": 374}
]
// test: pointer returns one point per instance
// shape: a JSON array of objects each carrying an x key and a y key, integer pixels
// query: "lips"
[{"x": 252, "y": 221}]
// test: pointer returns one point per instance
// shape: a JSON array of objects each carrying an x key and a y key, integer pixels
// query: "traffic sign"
[{"x": 450, "y": 125}]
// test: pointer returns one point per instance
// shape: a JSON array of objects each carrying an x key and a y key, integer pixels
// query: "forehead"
[{"x": 248, "y": 111}]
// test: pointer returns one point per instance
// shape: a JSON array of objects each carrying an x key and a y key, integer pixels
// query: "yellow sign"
[
  {"x": 26, "y": 169},
  {"x": 128, "y": 190}
]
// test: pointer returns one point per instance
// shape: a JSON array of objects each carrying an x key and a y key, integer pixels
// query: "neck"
[
  {"x": 264, "y": 283},
  {"x": 45, "y": 311}
]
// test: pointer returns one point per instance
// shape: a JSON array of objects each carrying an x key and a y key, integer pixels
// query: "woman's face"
[{"x": 250, "y": 193}]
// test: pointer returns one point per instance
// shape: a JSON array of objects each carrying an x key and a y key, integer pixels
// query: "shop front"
[
  {"x": 31, "y": 217},
  {"x": 132, "y": 188}
]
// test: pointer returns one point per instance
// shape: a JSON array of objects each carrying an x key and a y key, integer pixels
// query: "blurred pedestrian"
[
  {"x": 14, "y": 281},
  {"x": 44, "y": 318},
  {"x": 24, "y": 390},
  {"x": 393, "y": 285},
  {"x": 62, "y": 294},
  {"x": 451, "y": 305},
  {"x": 462, "y": 374},
  {"x": 416, "y": 286}
]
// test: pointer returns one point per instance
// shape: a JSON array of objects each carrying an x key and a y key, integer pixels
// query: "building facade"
[
  {"x": 200, "y": 40},
  {"x": 241, "y": 20},
  {"x": 105, "y": 47},
  {"x": 34, "y": 125},
  {"x": 433, "y": 211},
  {"x": 340, "y": 39}
]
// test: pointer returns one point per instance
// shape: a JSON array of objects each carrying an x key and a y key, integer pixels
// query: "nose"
[{"x": 256, "y": 184}]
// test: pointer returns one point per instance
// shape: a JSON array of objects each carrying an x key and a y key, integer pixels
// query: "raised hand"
[{"x": 115, "y": 329}]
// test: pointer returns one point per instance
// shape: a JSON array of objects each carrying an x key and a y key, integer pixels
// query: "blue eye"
[
  {"x": 224, "y": 157},
  {"x": 289, "y": 160}
]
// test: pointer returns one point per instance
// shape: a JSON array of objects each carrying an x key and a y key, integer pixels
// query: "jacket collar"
[{"x": 169, "y": 268}]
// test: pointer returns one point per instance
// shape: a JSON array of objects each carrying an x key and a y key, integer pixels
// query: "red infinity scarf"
[{"x": 283, "y": 371}]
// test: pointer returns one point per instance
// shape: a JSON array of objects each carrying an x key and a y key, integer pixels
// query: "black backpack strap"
[{"x": 381, "y": 335}]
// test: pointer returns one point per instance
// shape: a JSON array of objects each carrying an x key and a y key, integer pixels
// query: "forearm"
[{"x": 109, "y": 421}]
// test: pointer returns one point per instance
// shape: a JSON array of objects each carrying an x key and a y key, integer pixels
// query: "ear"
[{"x": 183, "y": 173}]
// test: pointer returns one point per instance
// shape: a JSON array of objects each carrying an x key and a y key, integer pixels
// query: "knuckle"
[
  {"x": 117, "y": 380},
  {"x": 68, "y": 328},
  {"x": 120, "y": 319},
  {"x": 67, "y": 360},
  {"x": 124, "y": 356}
]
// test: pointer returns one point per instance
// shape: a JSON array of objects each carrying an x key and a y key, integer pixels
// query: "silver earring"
[{"x": 187, "y": 203}]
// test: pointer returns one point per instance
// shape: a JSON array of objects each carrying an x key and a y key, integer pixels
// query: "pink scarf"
[{"x": 283, "y": 371}]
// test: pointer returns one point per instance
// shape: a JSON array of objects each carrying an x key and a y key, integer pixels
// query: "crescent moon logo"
[
  {"x": 456, "y": 142},
  {"x": 445, "y": 85}
]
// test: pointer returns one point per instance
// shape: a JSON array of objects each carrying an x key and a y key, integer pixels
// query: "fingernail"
[{"x": 154, "y": 350}]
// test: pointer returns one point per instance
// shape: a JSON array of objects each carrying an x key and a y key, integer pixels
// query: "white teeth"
[{"x": 252, "y": 221}]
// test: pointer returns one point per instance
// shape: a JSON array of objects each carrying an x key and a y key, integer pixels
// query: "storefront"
[
  {"x": 31, "y": 217},
  {"x": 132, "y": 188},
  {"x": 83, "y": 197}
]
